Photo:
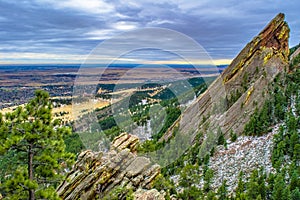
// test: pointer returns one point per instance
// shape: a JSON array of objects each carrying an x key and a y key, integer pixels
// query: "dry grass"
[
  {"x": 76, "y": 110},
  {"x": 72, "y": 112}
]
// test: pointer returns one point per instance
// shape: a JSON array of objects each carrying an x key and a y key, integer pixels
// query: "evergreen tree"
[
  {"x": 240, "y": 187},
  {"x": 253, "y": 186},
  {"x": 293, "y": 141},
  {"x": 211, "y": 196},
  {"x": 189, "y": 175},
  {"x": 279, "y": 187},
  {"x": 295, "y": 194},
  {"x": 222, "y": 191},
  {"x": 233, "y": 136},
  {"x": 261, "y": 184},
  {"x": 37, "y": 140},
  {"x": 296, "y": 153},
  {"x": 270, "y": 180},
  {"x": 191, "y": 193},
  {"x": 207, "y": 179},
  {"x": 291, "y": 122},
  {"x": 221, "y": 138},
  {"x": 295, "y": 182}
]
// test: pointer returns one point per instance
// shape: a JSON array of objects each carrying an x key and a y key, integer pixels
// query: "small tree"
[
  {"x": 253, "y": 186},
  {"x": 233, "y": 136},
  {"x": 207, "y": 179},
  {"x": 279, "y": 187},
  {"x": 222, "y": 191},
  {"x": 37, "y": 140},
  {"x": 221, "y": 138},
  {"x": 295, "y": 194},
  {"x": 240, "y": 187},
  {"x": 189, "y": 175}
]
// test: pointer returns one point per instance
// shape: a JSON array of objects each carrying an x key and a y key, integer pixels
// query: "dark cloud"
[{"x": 67, "y": 27}]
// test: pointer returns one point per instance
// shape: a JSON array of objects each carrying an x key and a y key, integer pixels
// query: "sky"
[{"x": 67, "y": 31}]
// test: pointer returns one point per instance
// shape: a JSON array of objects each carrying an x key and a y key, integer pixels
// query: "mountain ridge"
[{"x": 241, "y": 83}]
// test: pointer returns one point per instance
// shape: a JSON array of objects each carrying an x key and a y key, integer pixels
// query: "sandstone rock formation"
[
  {"x": 95, "y": 174},
  {"x": 231, "y": 99}
]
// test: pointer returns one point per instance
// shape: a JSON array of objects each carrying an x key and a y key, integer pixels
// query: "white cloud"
[
  {"x": 125, "y": 26},
  {"x": 101, "y": 34},
  {"x": 89, "y": 6},
  {"x": 160, "y": 22}
]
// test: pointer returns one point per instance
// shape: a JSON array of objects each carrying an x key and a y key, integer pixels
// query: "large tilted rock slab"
[
  {"x": 95, "y": 174},
  {"x": 245, "y": 84}
]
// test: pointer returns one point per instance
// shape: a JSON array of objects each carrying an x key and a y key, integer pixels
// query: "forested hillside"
[{"x": 192, "y": 178}]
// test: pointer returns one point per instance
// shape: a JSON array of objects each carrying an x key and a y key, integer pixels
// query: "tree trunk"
[{"x": 30, "y": 171}]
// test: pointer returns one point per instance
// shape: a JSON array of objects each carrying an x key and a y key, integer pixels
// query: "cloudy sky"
[{"x": 66, "y": 31}]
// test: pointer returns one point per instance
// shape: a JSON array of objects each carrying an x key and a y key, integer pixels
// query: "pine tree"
[
  {"x": 293, "y": 141},
  {"x": 222, "y": 191},
  {"x": 37, "y": 140},
  {"x": 261, "y": 184},
  {"x": 270, "y": 180},
  {"x": 295, "y": 194},
  {"x": 240, "y": 187},
  {"x": 279, "y": 187},
  {"x": 253, "y": 186},
  {"x": 296, "y": 153},
  {"x": 233, "y": 136},
  {"x": 207, "y": 179},
  {"x": 211, "y": 196},
  {"x": 295, "y": 182},
  {"x": 221, "y": 138},
  {"x": 189, "y": 175}
]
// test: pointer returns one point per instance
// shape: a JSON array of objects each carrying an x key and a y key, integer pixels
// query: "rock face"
[
  {"x": 95, "y": 174},
  {"x": 231, "y": 99}
]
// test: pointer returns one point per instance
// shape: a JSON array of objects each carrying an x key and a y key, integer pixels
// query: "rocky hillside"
[
  {"x": 244, "y": 155},
  {"x": 247, "y": 103},
  {"x": 231, "y": 99}
]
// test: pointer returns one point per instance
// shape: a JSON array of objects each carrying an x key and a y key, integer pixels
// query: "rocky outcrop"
[
  {"x": 152, "y": 194},
  {"x": 245, "y": 85},
  {"x": 95, "y": 174}
]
